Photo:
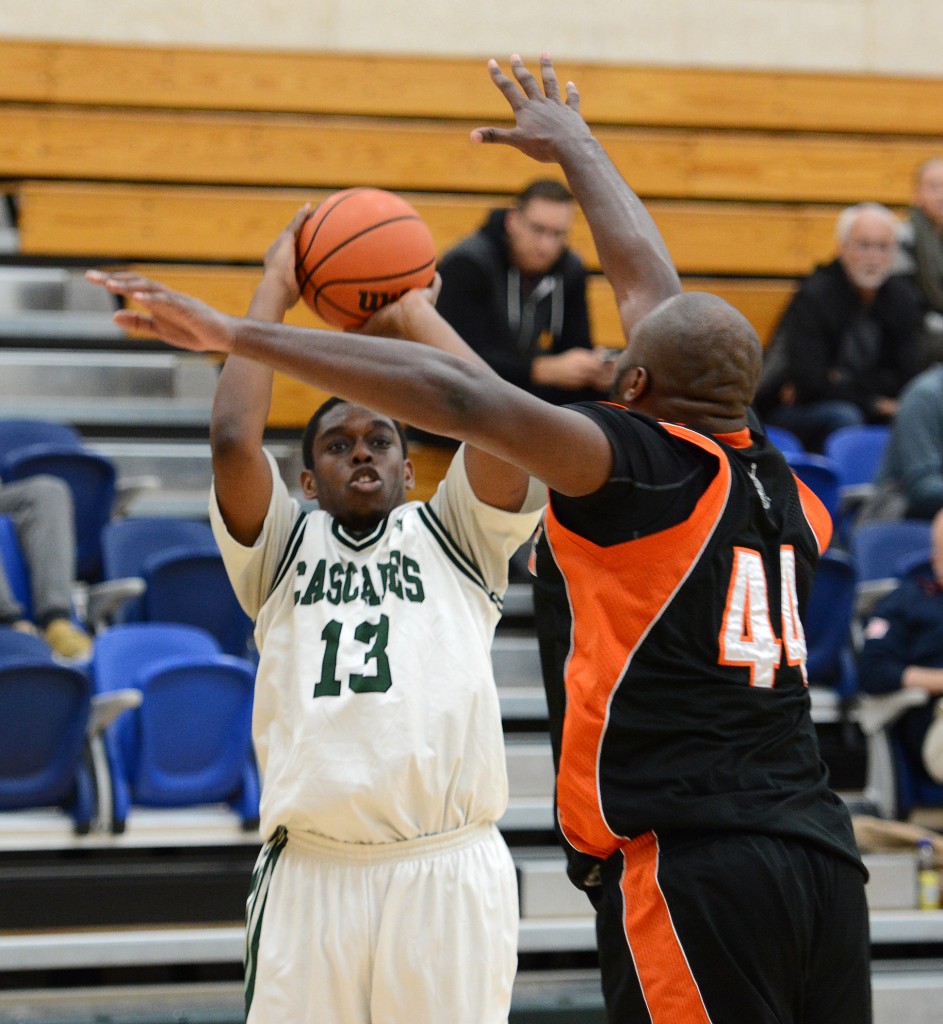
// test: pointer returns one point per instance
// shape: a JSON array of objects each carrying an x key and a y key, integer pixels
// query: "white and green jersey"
[{"x": 376, "y": 716}]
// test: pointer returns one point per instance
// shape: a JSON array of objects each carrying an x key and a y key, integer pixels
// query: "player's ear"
[
  {"x": 409, "y": 474},
  {"x": 308, "y": 486},
  {"x": 633, "y": 384}
]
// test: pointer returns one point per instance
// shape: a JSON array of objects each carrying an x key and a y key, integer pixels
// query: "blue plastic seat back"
[
  {"x": 881, "y": 550},
  {"x": 122, "y": 651},
  {"x": 14, "y": 565},
  {"x": 91, "y": 478},
  {"x": 128, "y": 543},
  {"x": 44, "y": 708},
  {"x": 194, "y": 731},
  {"x": 821, "y": 476},
  {"x": 827, "y": 624},
  {"x": 785, "y": 440},
  {"x": 193, "y": 587},
  {"x": 21, "y": 432},
  {"x": 857, "y": 452},
  {"x": 19, "y": 647}
]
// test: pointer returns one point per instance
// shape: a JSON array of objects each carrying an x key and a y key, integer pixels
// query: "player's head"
[
  {"x": 539, "y": 225},
  {"x": 694, "y": 359},
  {"x": 355, "y": 463},
  {"x": 928, "y": 189},
  {"x": 867, "y": 244}
]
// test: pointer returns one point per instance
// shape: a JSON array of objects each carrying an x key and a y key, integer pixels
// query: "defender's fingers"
[
  {"x": 134, "y": 320},
  {"x": 527, "y": 81},
  {"x": 121, "y": 282},
  {"x": 549, "y": 78},
  {"x": 511, "y": 92},
  {"x": 572, "y": 97},
  {"x": 491, "y": 135}
]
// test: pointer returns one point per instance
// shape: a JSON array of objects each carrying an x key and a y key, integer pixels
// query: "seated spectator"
[
  {"x": 903, "y": 648},
  {"x": 909, "y": 480},
  {"x": 41, "y": 510},
  {"x": 516, "y": 294},
  {"x": 847, "y": 342},
  {"x": 921, "y": 255}
]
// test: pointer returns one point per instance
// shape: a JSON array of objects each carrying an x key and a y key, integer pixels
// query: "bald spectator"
[
  {"x": 847, "y": 342},
  {"x": 921, "y": 242}
]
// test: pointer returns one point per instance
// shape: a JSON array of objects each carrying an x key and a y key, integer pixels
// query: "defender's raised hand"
[
  {"x": 548, "y": 126},
  {"x": 178, "y": 319}
]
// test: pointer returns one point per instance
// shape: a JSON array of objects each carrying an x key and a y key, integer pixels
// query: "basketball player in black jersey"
[{"x": 690, "y": 793}]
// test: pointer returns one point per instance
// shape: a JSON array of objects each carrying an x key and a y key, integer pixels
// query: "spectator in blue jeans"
[{"x": 847, "y": 342}]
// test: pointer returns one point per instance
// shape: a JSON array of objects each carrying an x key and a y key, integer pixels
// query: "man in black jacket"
[
  {"x": 517, "y": 294},
  {"x": 847, "y": 342}
]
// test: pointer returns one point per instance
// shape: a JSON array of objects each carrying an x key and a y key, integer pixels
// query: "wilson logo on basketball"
[{"x": 370, "y": 302}]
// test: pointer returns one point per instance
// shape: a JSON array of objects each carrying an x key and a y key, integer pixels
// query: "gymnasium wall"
[{"x": 873, "y": 36}]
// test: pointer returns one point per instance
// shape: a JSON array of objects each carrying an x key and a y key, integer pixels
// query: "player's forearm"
[
  {"x": 244, "y": 392},
  {"x": 423, "y": 324},
  {"x": 430, "y": 389}
]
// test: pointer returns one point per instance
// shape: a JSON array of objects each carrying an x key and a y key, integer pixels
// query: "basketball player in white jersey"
[{"x": 384, "y": 892}]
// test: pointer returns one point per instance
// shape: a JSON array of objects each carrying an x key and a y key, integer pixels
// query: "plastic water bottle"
[{"x": 928, "y": 877}]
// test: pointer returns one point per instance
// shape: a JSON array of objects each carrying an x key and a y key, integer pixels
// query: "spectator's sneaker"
[{"x": 67, "y": 640}]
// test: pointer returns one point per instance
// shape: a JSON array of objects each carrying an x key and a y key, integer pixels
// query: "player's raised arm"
[{"x": 549, "y": 128}]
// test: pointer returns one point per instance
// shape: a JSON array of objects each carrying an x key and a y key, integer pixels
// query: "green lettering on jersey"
[
  {"x": 315, "y": 589},
  {"x": 337, "y": 583},
  {"x": 367, "y": 590},
  {"x": 412, "y": 577},
  {"x": 351, "y": 590}
]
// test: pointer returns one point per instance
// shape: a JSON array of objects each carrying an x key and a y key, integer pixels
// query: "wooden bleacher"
[{"x": 186, "y": 162}]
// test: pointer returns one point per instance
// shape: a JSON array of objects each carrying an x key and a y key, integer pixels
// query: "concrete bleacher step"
[
  {"x": 184, "y": 470},
  {"x": 25, "y": 289},
  {"x": 88, "y": 388}
]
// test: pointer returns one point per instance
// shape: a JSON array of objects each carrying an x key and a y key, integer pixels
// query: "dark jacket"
[
  {"x": 817, "y": 334},
  {"x": 508, "y": 320}
]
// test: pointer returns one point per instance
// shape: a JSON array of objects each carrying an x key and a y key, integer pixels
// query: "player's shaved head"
[{"x": 700, "y": 360}]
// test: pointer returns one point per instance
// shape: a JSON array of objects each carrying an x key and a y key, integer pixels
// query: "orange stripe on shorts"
[{"x": 668, "y": 987}]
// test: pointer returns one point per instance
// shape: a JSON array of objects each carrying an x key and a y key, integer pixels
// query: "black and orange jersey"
[{"x": 679, "y": 588}]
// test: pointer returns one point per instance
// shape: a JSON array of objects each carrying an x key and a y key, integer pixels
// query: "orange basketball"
[{"x": 360, "y": 249}]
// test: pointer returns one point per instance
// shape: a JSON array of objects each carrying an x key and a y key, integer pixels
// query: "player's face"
[
  {"x": 537, "y": 234},
  {"x": 360, "y": 473},
  {"x": 868, "y": 251},
  {"x": 929, "y": 192}
]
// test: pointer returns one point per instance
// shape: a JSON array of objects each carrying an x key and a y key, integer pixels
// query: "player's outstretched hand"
[
  {"x": 178, "y": 319},
  {"x": 547, "y": 124}
]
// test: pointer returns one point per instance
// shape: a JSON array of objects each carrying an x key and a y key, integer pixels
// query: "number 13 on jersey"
[{"x": 747, "y": 637}]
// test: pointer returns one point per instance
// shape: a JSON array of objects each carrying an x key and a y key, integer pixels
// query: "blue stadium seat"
[
  {"x": 190, "y": 742},
  {"x": 820, "y": 475},
  {"x": 128, "y": 543},
  {"x": 785, "y": 440},
  {"x": 14, "y": 565},
  {"x": 828, "y": 625},
  {"x": 45, "y": 711},
  {"x": 21, "y": 432},
  {"x": 190, "y": 585},
  {"x": 92, "y": 481}
]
